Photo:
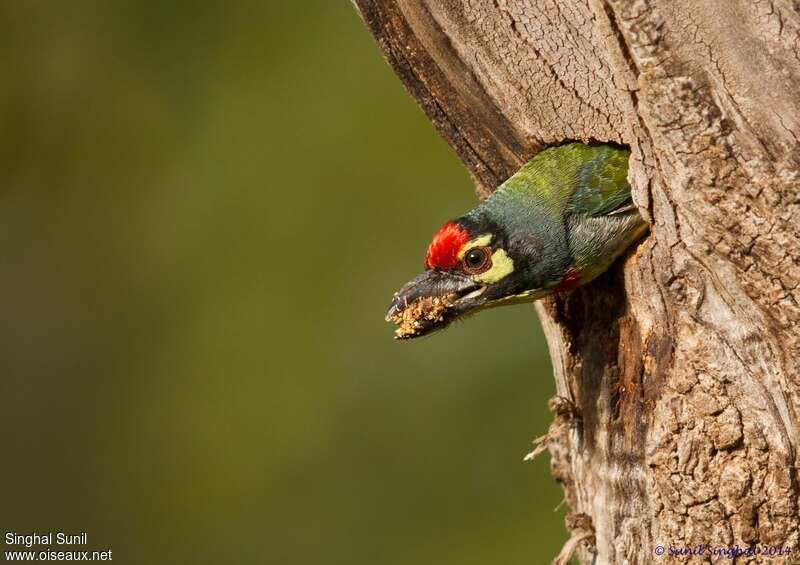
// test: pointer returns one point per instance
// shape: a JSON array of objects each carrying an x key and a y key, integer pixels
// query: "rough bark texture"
[{"x": 677, "y": 371}]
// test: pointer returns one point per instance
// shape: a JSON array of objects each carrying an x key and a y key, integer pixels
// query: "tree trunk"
[{"x": 677, "y": 375}]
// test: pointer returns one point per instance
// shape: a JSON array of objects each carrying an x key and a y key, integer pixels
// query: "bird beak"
[{"x": 431, "y": 301}]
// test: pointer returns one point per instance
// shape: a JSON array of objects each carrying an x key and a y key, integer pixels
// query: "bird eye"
[{"x": 477, "y": 260}]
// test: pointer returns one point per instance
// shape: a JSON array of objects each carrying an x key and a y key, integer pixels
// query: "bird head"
[
  {"x": 474, "y": 263},
  {"x": 557, "y": 223}
]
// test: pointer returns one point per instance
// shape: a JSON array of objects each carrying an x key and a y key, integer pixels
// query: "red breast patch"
[
  {"x": 447, "y": 242},
  {"x": 570, "y": 280}
]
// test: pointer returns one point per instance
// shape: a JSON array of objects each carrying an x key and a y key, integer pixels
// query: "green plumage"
[
  {"x": 557, "y": 223},
  {"x": 576, "y": 199},
  {"x": 574, "y": 178}
]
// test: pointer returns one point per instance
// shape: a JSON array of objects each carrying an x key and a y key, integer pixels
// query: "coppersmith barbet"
[{"x": 557, "y": 223}]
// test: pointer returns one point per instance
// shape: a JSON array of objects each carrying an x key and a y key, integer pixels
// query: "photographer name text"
[{"x": 49, "y": 538}]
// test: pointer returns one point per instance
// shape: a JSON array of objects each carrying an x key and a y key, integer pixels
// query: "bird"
[{"x": 560, "y": 221}]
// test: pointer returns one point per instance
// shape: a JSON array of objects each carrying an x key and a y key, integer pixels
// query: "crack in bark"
[{"x": 682, "y": 370}]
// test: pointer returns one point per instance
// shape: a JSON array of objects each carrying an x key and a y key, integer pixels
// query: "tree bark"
[{"x": 676, "y": 417}]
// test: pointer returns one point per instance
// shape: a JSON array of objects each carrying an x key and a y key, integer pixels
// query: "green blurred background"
[{"x": 205, "y": 208}]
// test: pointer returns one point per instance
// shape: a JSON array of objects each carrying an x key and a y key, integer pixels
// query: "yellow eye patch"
[
  {"x": 479, "y": 241},
  {"x": 502, "y": 265}
]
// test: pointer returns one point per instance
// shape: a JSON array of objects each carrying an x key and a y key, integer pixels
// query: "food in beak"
[{"x": 421, "y": 313}]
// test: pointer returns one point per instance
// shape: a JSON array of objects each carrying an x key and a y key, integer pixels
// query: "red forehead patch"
[{"x": 447, "y": 242}]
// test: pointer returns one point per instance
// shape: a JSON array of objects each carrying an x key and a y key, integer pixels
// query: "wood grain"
[{"x": 677, "y": 371}]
